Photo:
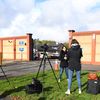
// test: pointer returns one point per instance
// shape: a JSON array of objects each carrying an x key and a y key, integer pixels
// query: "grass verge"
[{"x": 51, "y": 89}]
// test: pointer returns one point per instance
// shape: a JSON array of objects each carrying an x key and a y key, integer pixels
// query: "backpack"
[
  {"x": 34, "y": 87},
  {"x": 93, "y": 86},
  {"x": 93, "y": 83}
]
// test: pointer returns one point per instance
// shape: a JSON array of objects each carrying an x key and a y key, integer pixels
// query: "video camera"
[{"x": 45, "y": 47}]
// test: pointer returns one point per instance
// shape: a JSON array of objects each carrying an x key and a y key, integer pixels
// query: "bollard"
[{"x": 56, "y": 65}]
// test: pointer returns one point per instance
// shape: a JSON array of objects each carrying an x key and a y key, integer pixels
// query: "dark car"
[{"x": 55, "y": 55}]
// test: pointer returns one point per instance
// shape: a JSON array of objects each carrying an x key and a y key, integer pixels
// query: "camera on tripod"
[{"x": 45, "y": 47}]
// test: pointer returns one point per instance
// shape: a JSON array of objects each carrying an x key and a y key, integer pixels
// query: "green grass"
[{"x": 51, "y": 89}]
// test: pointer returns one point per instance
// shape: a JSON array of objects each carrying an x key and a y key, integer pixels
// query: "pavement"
[
  {"x": 90, "y": 67},
  {"x": 17, "y": 68}
]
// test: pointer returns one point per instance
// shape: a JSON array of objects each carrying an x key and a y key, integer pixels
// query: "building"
[
  {"x": 17, "y": 48},
  {"x": 90, "y": 44}
]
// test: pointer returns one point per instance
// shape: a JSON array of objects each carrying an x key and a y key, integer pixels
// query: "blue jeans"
[
  {"x": 70, "y": 74},
  {"x": 61, "y": 72}
]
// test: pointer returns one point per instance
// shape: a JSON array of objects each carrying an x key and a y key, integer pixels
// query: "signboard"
[
  {"x": 21, "y": 43},
  {"x": 21, "y": 49}
]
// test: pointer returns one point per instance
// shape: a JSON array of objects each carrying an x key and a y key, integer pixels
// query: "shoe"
[
  {"x": 80, "y": 91},
  {"x": 67, "y": 92},
  {"x": 58, "y": 80}
]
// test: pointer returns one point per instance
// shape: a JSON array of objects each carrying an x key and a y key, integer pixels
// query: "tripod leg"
[
  {"x": 44, "y": 69},
  {"x": 44, "y": 66},
  {"x": 53, "y": 71},
  {"x": 40, "y": 67},
  {"x": 6, "y": 77}
]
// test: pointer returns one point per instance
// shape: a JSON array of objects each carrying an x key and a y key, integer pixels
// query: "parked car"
[
  {"x": 55, "y": 55},
  {"x": 36, "y": 56},
  {"x": 41, "y": 54}
]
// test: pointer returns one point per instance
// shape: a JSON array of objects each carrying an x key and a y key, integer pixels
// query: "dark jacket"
[
  {"x": 63, "y": 62},
  {"x": 74, "y": 57}
]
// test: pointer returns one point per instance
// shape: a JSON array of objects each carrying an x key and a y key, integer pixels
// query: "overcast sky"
[{"x": 48, "y": 19}]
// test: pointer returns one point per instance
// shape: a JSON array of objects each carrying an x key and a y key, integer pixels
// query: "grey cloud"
[{"x": 9, "y": 9}]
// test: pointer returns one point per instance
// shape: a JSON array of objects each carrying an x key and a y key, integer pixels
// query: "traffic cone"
[{"x": 56, "y": 65}]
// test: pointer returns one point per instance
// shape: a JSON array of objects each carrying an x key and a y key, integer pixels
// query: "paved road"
[
  {"x": 91, "y": 67},
  {"x": 16, "y": 68},
  {"x": 21, "y": 68}
]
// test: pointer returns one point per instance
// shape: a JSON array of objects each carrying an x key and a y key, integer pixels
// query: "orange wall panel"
[
  {"x": 97, "y": 56},
  {"x": 85, "y": 41},
  {"x": 83, "y": 38},
  {"x": 21, "y": 56},
  {"x": 8, "y": 56},
  {"x": 0, "y": 46},
  {"x": 8, "y": 51}
]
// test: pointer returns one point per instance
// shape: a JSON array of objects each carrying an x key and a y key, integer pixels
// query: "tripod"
[
  {"x": 6, "y": 76},
  {"x": 45, "y": 56}
]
